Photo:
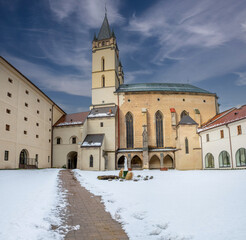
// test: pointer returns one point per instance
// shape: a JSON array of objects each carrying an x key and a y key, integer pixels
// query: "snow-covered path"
[
  {"x": 198, "y": 205},
  {"x": 28, "y": 204}
]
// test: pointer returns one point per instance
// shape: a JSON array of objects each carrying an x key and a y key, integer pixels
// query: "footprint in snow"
[
  {"x": 162, "y": 226},
  {"x": 139, "y": 215},
  {"x": 155, "y": 232}
]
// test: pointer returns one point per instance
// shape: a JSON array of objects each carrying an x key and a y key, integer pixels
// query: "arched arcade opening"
[{"x": 72, "y": 160}]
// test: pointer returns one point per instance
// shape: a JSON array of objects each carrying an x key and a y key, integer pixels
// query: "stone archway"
[
  {"x": 154, "y": 163},
  {"x": 120, "y": 163},
  {"x": 136, "y": 163},
  {"x": 23, "y": 158},
  {"x": 168, "y": 162},
  {"x": 72, "y": 160}
]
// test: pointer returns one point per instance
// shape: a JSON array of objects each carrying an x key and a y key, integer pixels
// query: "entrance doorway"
[
  {"x": 23, "y": 158},
  {"x": 72, "y": 160}
]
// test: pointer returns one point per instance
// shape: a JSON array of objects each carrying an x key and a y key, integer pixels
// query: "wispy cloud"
[
  {"x": 89, "y": 12},
  {"x": 48, "y": 79},
  {"x": 241, "y": 81}
]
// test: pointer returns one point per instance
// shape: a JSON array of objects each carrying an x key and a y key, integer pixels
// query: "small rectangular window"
[
  {"x": 101, "y": 124},
  {"x": 207, "y": 137},
  {"x": 27, "y": 92},
  {"x": 10, "y": 80},
  {"x": 26, "y": 104},
  {"x": 6, "y": 155},
  {"x": 25, "y": 118},
  {"x": 37, "y": 124},
  {"x": 50, "y": 109},
  {"x": 37, "y": 111},
  {"x": 49, "y": 119},
  {"x": 8, "y": 111},
  {"x": 7, "y": 127},
  {"x": 48, "y": 158},
  {"x": 38, "y": 100},
  {"x": 9, "y": 94},
  {"x": 221, "y": 133},
  {"x": 25, "y": 132},
  {"x": 37, "y": 136},
  {"x": 49, "y": 140},
  {"x": 58, "y": 141},
  {"x": 73, "y": 140},
  {"x": 239, "y": 130},
  {"x": 49, "y": 130},
  {"x": 36, "y": 158}
]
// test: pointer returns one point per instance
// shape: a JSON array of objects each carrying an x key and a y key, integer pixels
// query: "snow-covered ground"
[
  {"x": 197, "y": 205},
  {"x": 30, "y": 201}
]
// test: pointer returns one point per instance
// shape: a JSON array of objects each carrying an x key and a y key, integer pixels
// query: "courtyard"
[{"x": 35, "y": 204}]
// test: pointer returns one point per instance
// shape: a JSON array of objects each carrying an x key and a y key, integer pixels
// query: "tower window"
[
  {"x": 10, "y": 80},
  {"x": 101, "y": 124},
  {"x": 27, "y": 92},
  {"x": 38, "y": 100},
  {"x": 37, "y": 124},
  {"x": 9, "y": 94},
  {"x": 25, "y": 132},
  {"x": 26, "y": 104},
  {"x": 37, "y": 136},
  {"x": 25, "y": 119},
  {"x": 207, "y": 137},
  {"x": 8, "y": 111},
  {"x": 103, "y": 64},
  {"x": 7, "y": 127},
  {"x": 103, "y": 81}
]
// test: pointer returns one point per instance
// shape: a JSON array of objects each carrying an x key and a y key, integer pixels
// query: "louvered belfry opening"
[
  {"x": 129, "y": 130},
  {"x": 159, "y": 129}
]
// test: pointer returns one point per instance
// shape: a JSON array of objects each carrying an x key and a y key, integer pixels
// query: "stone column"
[
  {"x": 162, "y": 160},
  {"x": 129, "y": 158},
  {"x": 145, "y": 148}
]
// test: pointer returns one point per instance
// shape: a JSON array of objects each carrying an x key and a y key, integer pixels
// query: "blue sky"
[{"x": 189, "y": 41}]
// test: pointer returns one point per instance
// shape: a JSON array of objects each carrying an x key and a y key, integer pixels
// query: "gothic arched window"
[
  {"x": 129, "y": 130},
  {"x": 103, "y": 63},
  {"x": 103, "y": 81},
  {"x": 159, "y": 129},
  {"x": 186, "y": 146},
  {"x": 184, "y": 113}
]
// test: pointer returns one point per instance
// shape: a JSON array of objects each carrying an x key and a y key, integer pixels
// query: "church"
[{"x": 153, "y": 125}]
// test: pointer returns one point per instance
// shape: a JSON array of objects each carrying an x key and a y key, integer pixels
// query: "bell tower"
[{"x": 107, "y": 72}]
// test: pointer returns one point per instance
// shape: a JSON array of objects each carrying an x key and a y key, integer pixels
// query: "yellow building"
[{"x": 153, "y": 125}]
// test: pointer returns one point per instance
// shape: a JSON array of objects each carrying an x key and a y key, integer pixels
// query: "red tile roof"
[
  {"x": 72, "y": 119},
  {"x": 229, "y": 116}
]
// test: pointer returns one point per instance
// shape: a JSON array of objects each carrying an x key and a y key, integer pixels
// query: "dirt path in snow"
[{"x": 86, "y": 210}]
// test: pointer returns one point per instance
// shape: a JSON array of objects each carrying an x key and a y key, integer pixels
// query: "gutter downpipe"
[
  {"x": 230, "y": 145},
  {"x": 201, "y": 151},
  {"x": 52, "y": 113}
]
